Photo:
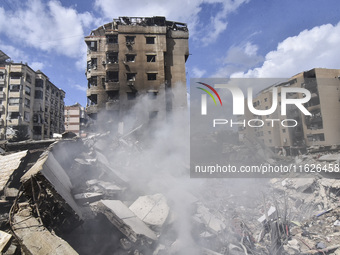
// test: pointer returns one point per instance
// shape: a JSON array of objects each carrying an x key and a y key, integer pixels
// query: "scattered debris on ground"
[{"x": 73, "y": 198}]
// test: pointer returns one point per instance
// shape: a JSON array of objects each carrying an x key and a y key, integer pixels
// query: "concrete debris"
[
  {"x": 88, "y": 197},
  {"x": 4, "y": 239},
  {"x": 126, "y": 221},
  {"x": 47, "y": 179},
  {"x": 270, "y": 215},
  {"x": 153, "y": 209},
  {"x": 73, "y": 198},
  {"x": 9, "y": 164},
  {"x": 35, "y": 238},
  {"x": 215, "y": 224}
]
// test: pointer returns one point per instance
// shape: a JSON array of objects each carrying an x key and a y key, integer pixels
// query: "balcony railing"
[{"x": 111, "y": 85}]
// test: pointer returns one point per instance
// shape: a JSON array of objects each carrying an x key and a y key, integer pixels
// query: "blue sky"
[{"x": 240, "y": 38}]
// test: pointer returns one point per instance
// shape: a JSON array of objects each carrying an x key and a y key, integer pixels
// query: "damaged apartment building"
[
  {"x": 28, "y": 99},
  {"x": 319, "y": 131},
  {"x": 132, "y": 58}
]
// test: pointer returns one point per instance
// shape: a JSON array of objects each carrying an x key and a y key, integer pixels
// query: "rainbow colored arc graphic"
[{"x": 209, "y": 93}]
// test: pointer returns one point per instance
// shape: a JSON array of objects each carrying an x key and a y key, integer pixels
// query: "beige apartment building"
[
  {"x": 75, "y": 119},
  {"x": 28, "y": 98},
  {"x": 320, "y": 129},
  {"x": 131, "y": 58}
]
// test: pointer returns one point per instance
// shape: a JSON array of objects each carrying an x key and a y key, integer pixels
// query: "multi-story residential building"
[
  {"x": 29, "y": 99},
  {"x": 320, "y": 129},
  {"x": 75, "y": 119},
  {"x": 135, "y": 57}
]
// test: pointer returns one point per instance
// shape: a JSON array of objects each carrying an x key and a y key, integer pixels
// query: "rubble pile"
[{"x": 107, "y": 194}]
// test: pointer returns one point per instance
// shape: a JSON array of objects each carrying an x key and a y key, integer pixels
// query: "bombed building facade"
[
  {"x": 321, "y": 129},
  {"x": 29, "y": 99},
  {"x": 130, "y": 58}
]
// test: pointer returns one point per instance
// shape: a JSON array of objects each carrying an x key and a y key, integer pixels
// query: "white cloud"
[
  {"x": 239, "y": 58},
  {"x": 317, "y": 47},
  {"x": 79, "y": 87},
  {"x": 14, "y": 53},
  {"x": 46, "y": 26},
  {"x": 198, "y": 73},
  {"x": 187, "y": 11},
  {"x": 37, "y": 66}
]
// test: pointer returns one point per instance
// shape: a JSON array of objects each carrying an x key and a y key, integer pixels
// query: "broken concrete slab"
[
  {"x": 35, "y": 238},
  {"x": 4, "y": 239},
  {"x": 303, "y": 184},
  {"x": 48, "y": 167},
  {"x": 152, "y": 209},
  {"x": 88, "y": 197},
  {"x": 215, "y": 224},
  {"x": 48, "y": 180},
  {"x": 9, "y": 164},
  {"x": 109, "y": 188},
  {"x": 125, "y": 220},
  {"x": 329, "y": 157}
]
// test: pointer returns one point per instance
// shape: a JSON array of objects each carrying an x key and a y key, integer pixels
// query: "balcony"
[
  {"x": 112, "y": 105},
  {"x": 16, "y": 81},
  {"x": 112, "y": 47},
  {"x": 92, "y": 109},
  {"x": 2, "y": 108},
  {"x": 112, "y": 66},
  {"x": 111, "y": 85},
  {"x": 2, "y": 95}
]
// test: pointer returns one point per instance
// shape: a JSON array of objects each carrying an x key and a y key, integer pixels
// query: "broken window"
[
  {"x": 151, "y": 58},
  {"x": 111, "y": 38},
  {"x": 15, "y": 88},
  {"x": 131, "y": 95},
  {"x": 130, "y": 58},
  {"x": 130, "y": 40},
  {"x": 94, "y": 63},
  {"x": 112, "y": 57},
  {"x": 316, "y": 137},
  {"x": 92, "y": 100},
  {"x": 113, "y": 95},
  {"x": 28, "y": 78},
  {"x": 152, "y": 76},
  {"x": 27, "y": 116},
  {"x": 113, "y": 76},
  {"x": 13, "y": 115},
  {"x": 27, "y": 90},
  {"x": 39, "y": 83},
  {"x": 130, "y": 76},
  {"x": 92, "y": 81},
  {"x": 150, "y": 40},
  {"x": 92, "y": 46},
  {"x": 15, "y": 75},
  {"x": 14, "y": 101},
  {"x": 38, "y": 94},
  {"x": 27, "y": 103}
]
